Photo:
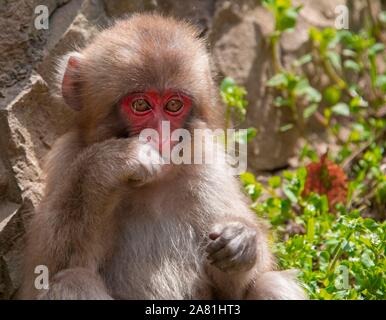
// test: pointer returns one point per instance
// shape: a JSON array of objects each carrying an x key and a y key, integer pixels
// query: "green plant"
[
  {"x": 339, "y": 256},
  {"x": 338, "y": 248},
  {"x": 285, "y": 16},
  {"x": 233, "y": 97},
  {"x": 344, "y": 56}
]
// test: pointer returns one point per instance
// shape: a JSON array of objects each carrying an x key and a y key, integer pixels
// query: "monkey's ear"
[{"x": 70, "y": 80}]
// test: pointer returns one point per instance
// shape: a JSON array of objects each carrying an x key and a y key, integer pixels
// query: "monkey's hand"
[
  {"x": 232, "y": 247},
  {"x": 149, "y": 164},
  {"x": 123, "y": 160}
]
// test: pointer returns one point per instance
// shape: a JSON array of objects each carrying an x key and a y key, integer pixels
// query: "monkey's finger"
[
  {"x": 243, "y": 246},
  {"x": 217, "y": 230},
  {"x": 214, "y": 235},
  {"x": 229, "y": 230},
  {"x": 228, "y": 234},
  {"x": 216, "y": 245},
  {"x": 243, "y": 260},
  {"x": 231, "y": 249},
  {"x": 230, "y": 263}
]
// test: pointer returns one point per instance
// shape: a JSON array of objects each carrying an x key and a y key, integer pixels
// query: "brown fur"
[{"x": 104, "y": 235}]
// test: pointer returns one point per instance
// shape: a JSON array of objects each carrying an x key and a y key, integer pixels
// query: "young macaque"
[{"x": 117, "y": 225}]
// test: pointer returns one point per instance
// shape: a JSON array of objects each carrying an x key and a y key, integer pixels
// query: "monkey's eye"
[
  {"x": 140, "y": 105},
  {"x": 174, "y": 105}
]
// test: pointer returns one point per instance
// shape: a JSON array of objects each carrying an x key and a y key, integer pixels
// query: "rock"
[
  {"x": 7, "y": 210},
  {"x": 29, "y": 126},
  {"x": 11, "y": 250},
  {"x": 4, "y": 180},
  {"x": 199, "y": 12},
  {"x": 120, "y": 8},
  {"x": 21, "y": 44},
  {"x": 11, "y": 265},
  {"x": 60, "y": 21},
  {"x": 240, "y": 50},
  {"x": 86, "y": 24}
]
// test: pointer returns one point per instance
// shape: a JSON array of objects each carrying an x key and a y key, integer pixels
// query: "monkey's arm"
[
  {"x": 236, "y": 240},
  {"x": 237, "y": 254},
  {"x": 239, "y": 260},
  {"x": 74, "y": 225}
]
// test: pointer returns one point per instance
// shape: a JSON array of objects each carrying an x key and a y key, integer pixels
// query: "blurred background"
[{"x": 306, "y": 78}]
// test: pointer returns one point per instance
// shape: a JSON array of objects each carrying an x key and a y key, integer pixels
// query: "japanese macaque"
[{"x": 115, "y": 225}]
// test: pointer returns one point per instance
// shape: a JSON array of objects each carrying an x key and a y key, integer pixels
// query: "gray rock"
[
  {"x": 31, "y": 123},
  {"x": 240, "y": 50},
  {"x": 89, "y": 18},
  {"x": 21, "y": 44},
  {"x": 11, "y": 250}
]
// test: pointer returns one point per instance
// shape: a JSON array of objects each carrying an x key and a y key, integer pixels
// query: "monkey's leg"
[
  {"x": 276, "y": 285},
  {"x": 76, "y": 284}
]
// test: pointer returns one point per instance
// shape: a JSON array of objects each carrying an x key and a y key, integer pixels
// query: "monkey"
[{"x": 115, "y": 225}]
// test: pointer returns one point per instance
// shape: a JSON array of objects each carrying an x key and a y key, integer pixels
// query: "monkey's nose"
[{"x": 162, "y": 144}]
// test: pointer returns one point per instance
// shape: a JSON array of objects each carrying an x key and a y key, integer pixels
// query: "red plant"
[{"x": 326, "y": 177}]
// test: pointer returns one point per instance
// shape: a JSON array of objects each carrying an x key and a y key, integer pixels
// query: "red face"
[{"x": 147, "y": 110}]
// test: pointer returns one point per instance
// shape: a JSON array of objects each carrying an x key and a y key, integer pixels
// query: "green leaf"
[
  {"x": 311, "y": 229},
  {"x": 280, "y": 101},
  {"x": 309, "y": 153},
  {"x": 351, "y": 64},
  {"x": 274, "y": 182},
  {"x": 289, "y": 193},
  {"x": 287, "y": 20},
  {"x": 349, "y": 53},
  {"x": 335, "y": 59},
  {"x": 303, "y": 60},
  {"x": 301, "y": 85},
  {"x": 376, "y": 48},
  {"x": 357, "y": 102},
  {"x": 247, "y": 178},
  {"x": 332, "y": 94},
  {"x": 303, "y": 88},
  {"x": 382, "y": 17},
  {"x": 269, "y": 4},
  {"x": 309, "y": 111},
  {"x": 380, "y": 82},
  {"x": 366, "y": 260},
  {"x": 341, "y": 109},
  {"x": 234, "y": 98},
  {"x": 312, "y": 94},
  {"x": 227, "y": 83},
  {"x": 252, "y": 187},
  {"x": 251, "y": 133},
  {"x": 286, "y": 127},
  {"x": 244, "y": 136},
  {"x": 277, "y": 80}
]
